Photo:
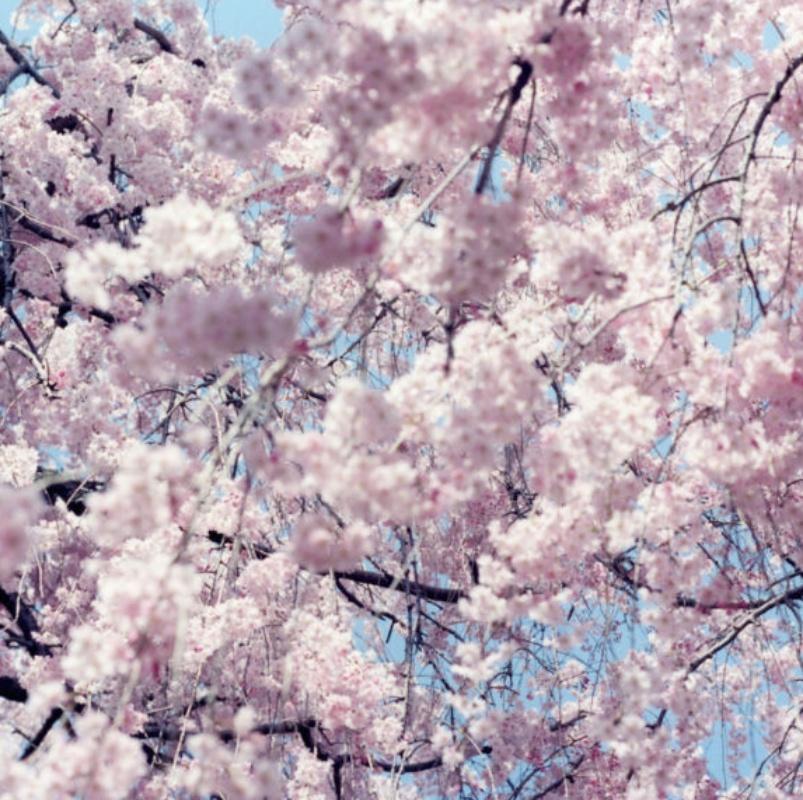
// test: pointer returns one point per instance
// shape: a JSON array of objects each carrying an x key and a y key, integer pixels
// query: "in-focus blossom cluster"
[{"x": 179, "y": 236}]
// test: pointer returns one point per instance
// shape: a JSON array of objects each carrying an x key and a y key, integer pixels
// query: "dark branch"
[
  {"x": 745, "y": 622},
  {"x": 72, "y": 493},
  {"x": 108, "y": 318},
  {"x": 381, "y": 580},
  {"x": 384, "y": 581},
  {"x": 65, "y": 123},
  {"x": 304, "y": 729},
  {"x": 567, "y": 776},
  {"x": 513, "y": 97},
  {"x": 766, "y": 109},
  {"x": 354, "y": 600},
  {"x": 155, "y": 34},
  {"x": 11, "y": 689},
  {"x": 11, "y": 77},
  {"x": 25, "y": 621},
  {"x": 154, "y": 730},
  {"x": 19, "y": 59},
  {"x": 678, "y": 205},
  {"x": 42, "y": 231},
  {"x": 752, "y": 276},
  {"x": 55, "y": 715}
]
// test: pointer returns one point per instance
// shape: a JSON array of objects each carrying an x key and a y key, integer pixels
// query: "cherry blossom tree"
[{"x": 409, "y": 409}]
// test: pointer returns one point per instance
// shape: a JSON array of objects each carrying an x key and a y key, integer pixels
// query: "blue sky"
[{"x": 259, "y": 19}]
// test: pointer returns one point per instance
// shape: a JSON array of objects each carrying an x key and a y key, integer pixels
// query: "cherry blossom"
[{"x": 407, "y": 407}]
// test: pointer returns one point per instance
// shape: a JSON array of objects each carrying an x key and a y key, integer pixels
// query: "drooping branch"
[
  {"x": 24, "y": 64},
  {"x": 7, "y": 253},
  {"x": 678, "y": 205},
  {"x": 752, "y": 276},
  {"x": 767, "y": 108},
  {"x": 567, "y": 777},
  {"x": 745, "y": 622},
  {"x": 513, "y": 96},
  {"x": 14, "y": 317},
  {"x": 354, "y": 600}
]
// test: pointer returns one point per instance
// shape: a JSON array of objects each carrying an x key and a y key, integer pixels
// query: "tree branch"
[
  {"x": 766, "y": 109},
  {"x": 304, "y": 728},
  {"x": 745, "y": 622},
  {"x": 556, "y": 784},
  {"x": 22, "y": 62},
  {"x": 12, "y": 690},
  {"x": 42, "y": 231},
  {"x": 513, "y": 96},
  {"x": 386, "y": 581},
  {"x": 24, "y": 619},
  {"x": 381, "y": 580},
  {"x": 33, "y": 745},
  {"x": 154, "y": 33}
]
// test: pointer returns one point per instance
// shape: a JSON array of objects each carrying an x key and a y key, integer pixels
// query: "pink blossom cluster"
[
  {"x": 580, "y": 262},
  {"x": 348, "y": 694},
  {"x": 570, "y": 48},
  {"x": 179, "y": 236},
  {"x": 376, "y": 421},
  {"x": 236, "y": 135},
  {"x": 198, "y": 330},
  {"x": 318, "y": 545},
  {"x": 20, "y": 509},
  {"x": 219, "y": 627},
  {"x": 142, "y": 599},
  {"x": 618, "y": 405},
  {"x": 472, "y": 257},
  {"x": 393, "y": 492},
  {"x": 790, "y": 114},
  {"x": 216, "y": 769},
  {"x": 408, "y": 407},
  {"x": 331, "y": 239},
  {"x": 260, "y": 85},
  {"x": 18, "y": 464},
  {"x": 187, "y": 234},
  {"x": 145, "y": 496},
  {"x": 98, "y": 760}
]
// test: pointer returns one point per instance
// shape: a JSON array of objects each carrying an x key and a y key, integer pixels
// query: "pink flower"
[
  {"x": 329, "y": 240},
  {"x": 19, "y": 509},
  {"x": 318, "y": 545}
]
